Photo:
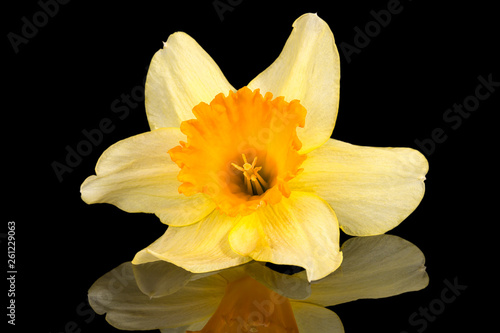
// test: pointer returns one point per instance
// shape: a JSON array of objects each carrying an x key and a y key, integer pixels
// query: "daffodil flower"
[
  {"x": 252, "y": 174},
  {"x": 252, "y": 297}
]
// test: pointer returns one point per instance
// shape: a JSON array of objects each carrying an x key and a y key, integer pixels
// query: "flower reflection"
[{"x": 252, "y": 297}]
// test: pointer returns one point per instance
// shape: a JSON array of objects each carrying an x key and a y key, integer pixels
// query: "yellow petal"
[
  {"x": 308, "y": 69},
  {"x": 200, "y": 247},
  {"x": 127, "y": 308},
  {"x": 370, "y": 189},
  {"x": 180, "y": 76},
  {"x": 137, "y": 175},
  {"x": 301, "y": 230},
  {"x": 311, "y": 318},
  {"x": 373, "y": 267}
]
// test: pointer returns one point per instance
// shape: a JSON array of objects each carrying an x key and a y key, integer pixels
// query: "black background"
[{"x": 393, "y": 92}]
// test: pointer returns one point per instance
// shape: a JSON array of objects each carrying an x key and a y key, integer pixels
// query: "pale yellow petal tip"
[
  {"x": 424, "y": 163},
  {"x": 312, "y": 16},
  {"x": 85, "y": 192},
  {"x": 311, "y": 21},
  {"x": 143, "y": 257},
  {"x": 174, "y": 36},
  {"x": 418, "y": 161},
  {"x": 314, "y": 275}
]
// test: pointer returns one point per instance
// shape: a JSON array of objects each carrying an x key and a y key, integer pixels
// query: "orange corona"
[{"x": 241, "y": 150}]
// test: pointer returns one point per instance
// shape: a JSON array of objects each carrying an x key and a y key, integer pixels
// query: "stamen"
[
  {"x": 262, "y": 181},
  {"x": 255, "y": 184},
  {"x": 248, "y": 184}
]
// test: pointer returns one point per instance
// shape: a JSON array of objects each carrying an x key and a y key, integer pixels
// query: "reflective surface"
[{"x": 253, "y": 297}]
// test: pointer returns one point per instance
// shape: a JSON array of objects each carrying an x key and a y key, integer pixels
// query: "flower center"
[
  {"x": 248, "y": 306},
  {"x": 241, "y": 150},
  {"x": 254, "y": 182}
]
